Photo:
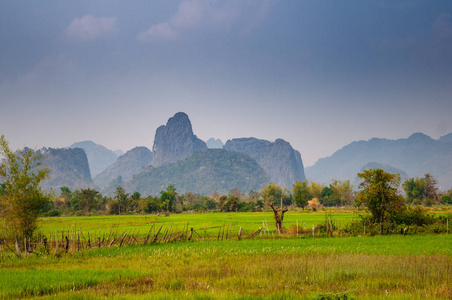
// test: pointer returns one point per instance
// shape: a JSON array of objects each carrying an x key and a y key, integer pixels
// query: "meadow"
[{"x": 273, "y": 267}]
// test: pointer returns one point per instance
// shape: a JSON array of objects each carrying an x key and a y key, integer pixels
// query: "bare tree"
[{"x": 278, "y": 215}]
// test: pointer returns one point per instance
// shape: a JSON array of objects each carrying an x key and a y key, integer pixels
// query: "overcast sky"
[{"x": 319, "y": 74}]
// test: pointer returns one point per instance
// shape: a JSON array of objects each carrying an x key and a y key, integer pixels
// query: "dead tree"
[{"x": 278, "y": 215}]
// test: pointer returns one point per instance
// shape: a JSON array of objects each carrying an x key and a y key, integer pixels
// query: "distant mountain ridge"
[
  {"x": 214, "y": 143},
  {"x": 279, "y": 160},
  {"x": 99, "y": 157},
  {"x": 127, "y": 165},
  {"x": 182, "y": 159},
  {"x": 203, "y": 172},
  {"x": 415, "y": 155}
]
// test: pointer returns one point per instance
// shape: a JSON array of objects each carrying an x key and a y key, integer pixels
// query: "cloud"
[
  {"x": 210, "y": 15},
  {"x": 90, "y": 28}
]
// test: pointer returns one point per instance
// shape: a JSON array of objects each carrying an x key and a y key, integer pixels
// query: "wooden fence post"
[
  {"x": 240, "y": 234},
  {"x": 17, "y": 249},
  {"x": 313, "y": 231}
]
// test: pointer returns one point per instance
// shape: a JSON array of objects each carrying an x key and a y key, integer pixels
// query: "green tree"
[
  {"x": 168, "y": 198},
  {"x": 89, "y": 200},
  {"x": 421, "y": 190},
  {"x": 378, "y": 191},
  {"x": 341, "y": 192},
  {"x": 122, "y": 198},
  {"x": 300, "y": 192},
  {"x": 414, "y": 189},
  {"x": 272, "y": 193},
  {"x": 21, "y": 174}
]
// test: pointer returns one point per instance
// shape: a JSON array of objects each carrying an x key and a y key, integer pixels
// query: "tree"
[
  {"x": 89, "y": 199},
  {"x": 314, "y": 204},
  {"x": 431, "y": 190},
  {"x": 278, "y": 215},
  {"x": 122, "y": 199},
  {"x": 300, "y": 192},
  {"x": 378, "y": 192},
  {"x": 22, "y": 197},
  {"x": 414, "y": 190},
  {"x": 271, "y": 193},
  {"x": 168, "y": 198},
  {"x": 420, "y": 190},
  {"x": 341, "y": 192}
]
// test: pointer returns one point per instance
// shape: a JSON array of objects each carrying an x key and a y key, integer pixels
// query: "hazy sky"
[{"x": 319, "y": 74}]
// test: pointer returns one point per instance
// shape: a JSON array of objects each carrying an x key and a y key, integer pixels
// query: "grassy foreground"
[{"x": 394, "y": 267}]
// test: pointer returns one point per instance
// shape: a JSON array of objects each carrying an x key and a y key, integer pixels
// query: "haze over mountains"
[
  {"x": 182, "y": 159},
  {"x": 415, "y": 156}
]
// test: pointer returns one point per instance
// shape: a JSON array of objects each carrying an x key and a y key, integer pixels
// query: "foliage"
[
  {"x": 89, "y": 199},
  {"x": 272, "y": 193},
  {"x": 203, "y": 173},
  {"x": 168, "y": 197},
  {"x": 379, "y": 194},
  {"x": 314, "y": 204},
  {"x": 122, "y": 197},
  {"x": 300, "y": 192},
  {"x": 421, "y": 190},
  {"x": 22, "y": 197}
]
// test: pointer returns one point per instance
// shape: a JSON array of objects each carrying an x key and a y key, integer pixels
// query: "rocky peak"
[
  {"x": 68, "y": 167},
  {"x": 175, "y": 141},
  {"x": 279, "y": 160}
]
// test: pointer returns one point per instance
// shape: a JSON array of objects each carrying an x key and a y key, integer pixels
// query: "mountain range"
[
  {"x": 414, "y": 156},
  {"x": 179, "y": 157}
]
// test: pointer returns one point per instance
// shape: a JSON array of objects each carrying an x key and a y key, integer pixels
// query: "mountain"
[
  {"x": 68, "y": 167},
  {"x": 175, "y": 141},
  {"x": 203, "y": 172},
  {"x": 119, "y": 152},
  {"x": 416, "y": 155},
  {"x": 279, "y": 160},
  {"x": 446, "y": 138},
  {"x": 387, "y": 168},
  {"x": 99, "y": 157},
  {"x": 127, "y": 165},
  {"x": 214, "y": 143}
]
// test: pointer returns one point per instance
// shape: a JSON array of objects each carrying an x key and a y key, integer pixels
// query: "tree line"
[{"x": 22, "y": 200}]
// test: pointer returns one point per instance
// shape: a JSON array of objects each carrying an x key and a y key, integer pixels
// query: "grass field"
[
  {"x": 202, "y": 222},
  {"x": 386, "y": 267}
]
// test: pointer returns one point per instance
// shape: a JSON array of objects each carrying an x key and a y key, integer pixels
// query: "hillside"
[
  {"x": 279, "y": 160},
  {"x": 99, "y": 157},
  {"x": 416, "y": 155},
  {"x": 203, "y": 172},
  {"x": 127, "y": 165},
  {"x": 68, "y": 167}
]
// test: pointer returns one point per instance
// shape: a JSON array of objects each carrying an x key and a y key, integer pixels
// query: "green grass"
[
  {"x": 389, "y": 267},
  {"x": 202, "y": 223},
  {"x": 397, "y": 267}
]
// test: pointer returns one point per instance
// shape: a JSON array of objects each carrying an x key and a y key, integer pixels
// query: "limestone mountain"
[
  {"x": 203, "y": 172},
  {"x": 99, "y": 157},
  {"x": 127, "y": 165},
  {"x": 416, "y": 155},
  {"x": 175, "y": 141},
  {"x": 214, "y": 143},
  {"x": 279, "y": 160},
  {"x": 68, "y": 167}
]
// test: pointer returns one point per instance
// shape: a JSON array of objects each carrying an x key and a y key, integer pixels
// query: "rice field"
[{"x": 379, "y": 267}]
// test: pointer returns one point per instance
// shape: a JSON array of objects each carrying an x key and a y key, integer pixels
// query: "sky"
[{"x": 318, "y": 74}]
